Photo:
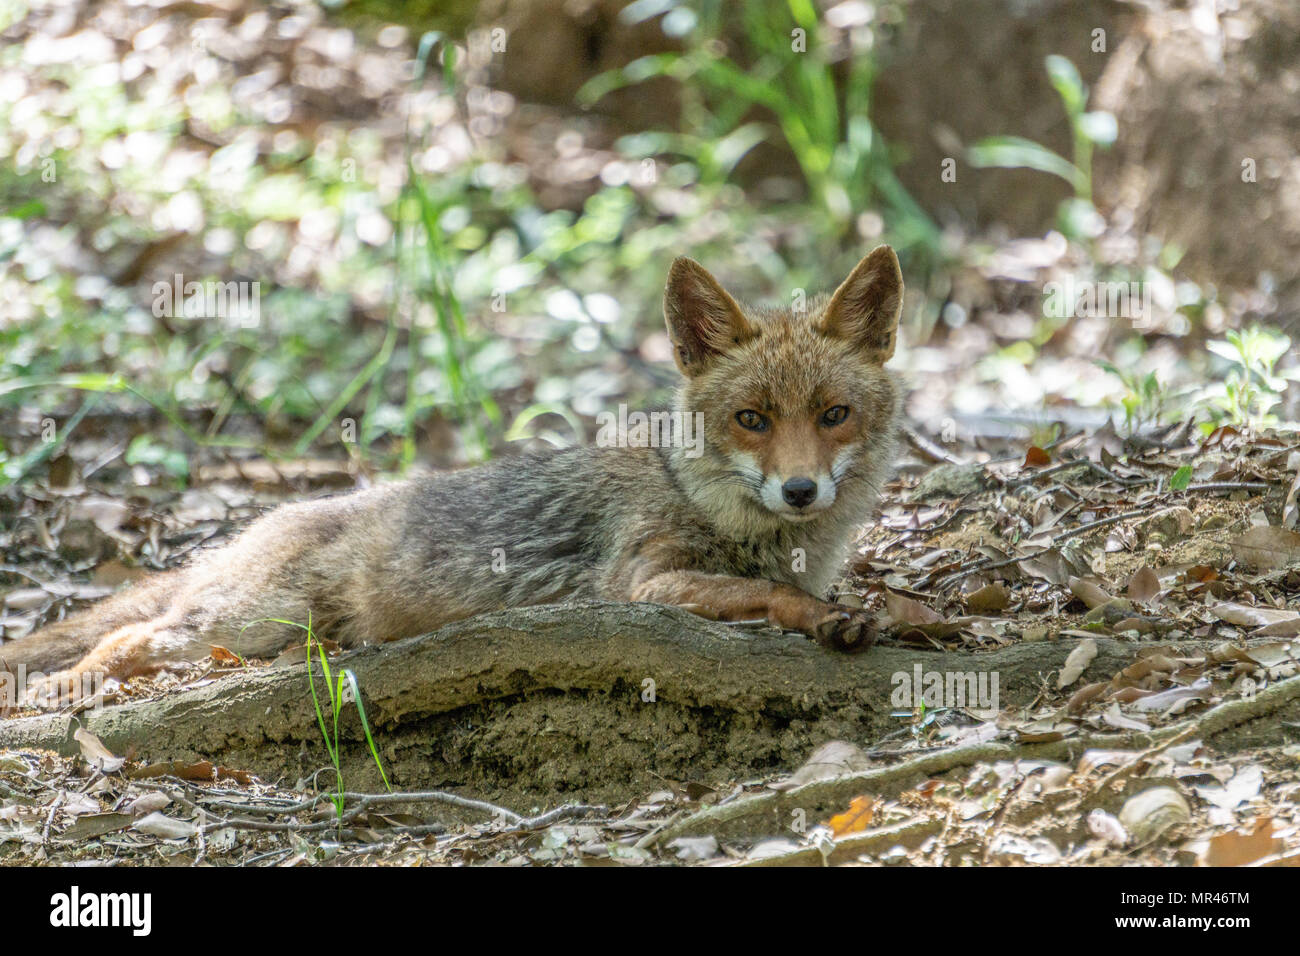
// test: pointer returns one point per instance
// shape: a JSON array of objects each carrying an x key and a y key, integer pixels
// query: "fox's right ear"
[{"x": 703, "y": 321}]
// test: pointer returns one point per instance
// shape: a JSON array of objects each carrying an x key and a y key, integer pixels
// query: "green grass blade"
[
  {"x": 1016, "y": 152},
  {"x": 365, "y": 725}
]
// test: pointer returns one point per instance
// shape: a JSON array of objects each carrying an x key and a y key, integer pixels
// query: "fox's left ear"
[{"x": 865, "y": 308}]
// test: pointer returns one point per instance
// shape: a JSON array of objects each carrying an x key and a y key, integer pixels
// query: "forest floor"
[{"x": 1184, "y": 547}]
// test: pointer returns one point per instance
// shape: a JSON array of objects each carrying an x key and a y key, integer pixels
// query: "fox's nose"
[{"x": 799, "y": 492}]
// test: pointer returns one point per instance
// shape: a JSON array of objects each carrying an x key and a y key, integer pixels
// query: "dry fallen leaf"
[
  {"x": 1036, "y": 457},
  {"x": 1237, "y": 847},
  {"x": 96, "y": 754},
  {"x": 991, "y": 597},
  {"x": 148, "y": 803},
  {"x": 1085, "y": 694},
  {"x": 1288, "y": 628},
  {"x": 1113, "y": 717},
  {"x": 165, "y": 827},
  {"x": 835, "y": 758},
  {"x": 224, "y": 657},
  {"x": 913, "y": 614},
  {"x": 1243, "y": 615},
  {"x": 93, "y": 825},
  {"x": 1269, "y": 655},
  {"x": 1173, "y": 696},
  {"x": 1089, "y": 591},
  {"x": 1243, "y": 786},
  {"x": 1266, "y": 549},
  {"x": 1144, "y": 586},
  {"x": 904, "y": 610},
  {"x": 1077, "y": 662},
  {"x": 856, "y": 818}
]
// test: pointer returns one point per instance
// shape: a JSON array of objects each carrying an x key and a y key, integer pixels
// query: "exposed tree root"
[{"x": 583, "y": 703}]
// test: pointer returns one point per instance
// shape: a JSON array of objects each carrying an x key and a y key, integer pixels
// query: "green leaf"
[
  {"x": 1181, "y": 478},
  {"x": 519, "y": 427},
  {"x": 1016, "y": 152},
  {"x": 804, "y": 14},
  {"x": 1068, "y": 84},
  {"x": 365, "y": 724},
  {"x": 639, "y": 70},
  {"x": 731, "y": 149},
  {"x": 143, "y": 450},
  {"x": 29, "y": 210},
  {"x": 1224, "y": 350},
  {"x": 427, "y": 42},
  {"x": 88, "y": 381}
]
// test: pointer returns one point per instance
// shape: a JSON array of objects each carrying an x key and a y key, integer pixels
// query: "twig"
[
  {"x": 559, "y": 813},
  {"x": 931, "y": 529},
  {"x": 1077, "y": 463},
  {"x": 49, "y": 820},
  {"x": 1107, "y": 473},
  {"x": 361, "y": 802},
  {"x": 1230, "y": 486},
  {"x": 1053, "y": 489},
  {"x": 279, "y": 851},
  {"x": 1099, "y": 523},
  {"x": 928, "y": 448}
]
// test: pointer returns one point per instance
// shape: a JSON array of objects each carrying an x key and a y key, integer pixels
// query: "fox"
[{"x": 800, "y": 420}]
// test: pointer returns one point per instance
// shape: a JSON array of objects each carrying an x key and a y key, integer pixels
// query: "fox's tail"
[{"x": 61, "y": 645}]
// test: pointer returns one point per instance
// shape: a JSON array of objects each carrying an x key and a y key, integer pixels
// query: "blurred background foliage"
[{"x": 460, "y": 215}]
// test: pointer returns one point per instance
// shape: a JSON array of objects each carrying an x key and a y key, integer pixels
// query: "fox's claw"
[{"x": 846, "y": 629}]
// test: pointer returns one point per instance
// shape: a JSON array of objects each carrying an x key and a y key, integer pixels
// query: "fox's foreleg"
[{"x": 730, "y": 598}]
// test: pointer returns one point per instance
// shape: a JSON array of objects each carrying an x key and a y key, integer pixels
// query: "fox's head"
[{"x": 798, "y": 409}]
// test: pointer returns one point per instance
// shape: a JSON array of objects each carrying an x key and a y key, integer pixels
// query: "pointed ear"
[
  {"x": 703, "y": 321},
  {"x": 865, "y": 308}
]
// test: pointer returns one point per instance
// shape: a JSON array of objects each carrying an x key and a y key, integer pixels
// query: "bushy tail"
[{"x": 61, "y": 645}]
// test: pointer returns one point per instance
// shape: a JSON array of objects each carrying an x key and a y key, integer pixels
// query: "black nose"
[{"x": 799, "y": 491}]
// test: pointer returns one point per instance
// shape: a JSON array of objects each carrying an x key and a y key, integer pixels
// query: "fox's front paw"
[{"x": 846, "y": 629}]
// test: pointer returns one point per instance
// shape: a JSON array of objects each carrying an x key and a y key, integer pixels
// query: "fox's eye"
[
  {"x": 752, "y": 420},
  {"x": 833, "y": 416}
]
